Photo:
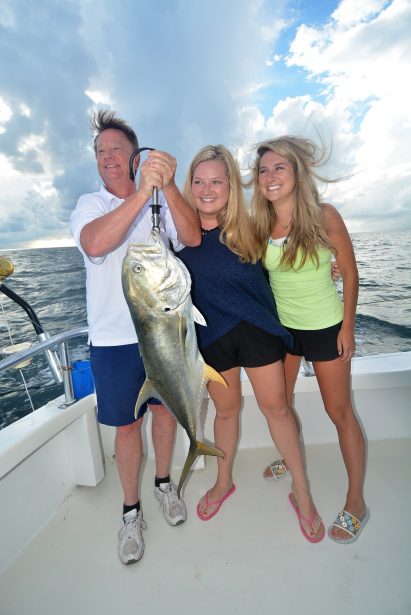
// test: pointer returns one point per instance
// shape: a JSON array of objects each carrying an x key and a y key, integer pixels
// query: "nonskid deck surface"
[{"x": 250, "y": 558}]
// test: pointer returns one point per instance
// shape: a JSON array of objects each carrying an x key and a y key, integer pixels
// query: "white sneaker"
[
  {"x": 130, "y": 538},
  {"x": 174, "y": 509}
]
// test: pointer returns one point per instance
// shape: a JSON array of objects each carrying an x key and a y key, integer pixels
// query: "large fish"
[{"x": 157, "y": 286}]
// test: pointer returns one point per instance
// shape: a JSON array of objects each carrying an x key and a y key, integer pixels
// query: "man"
[{"x": 103, "y": 224}]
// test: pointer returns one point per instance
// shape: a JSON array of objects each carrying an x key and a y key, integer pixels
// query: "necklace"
[{"x": 286, "y": 226}]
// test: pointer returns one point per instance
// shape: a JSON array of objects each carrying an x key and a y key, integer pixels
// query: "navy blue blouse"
[{"x": 227, "y": 291}]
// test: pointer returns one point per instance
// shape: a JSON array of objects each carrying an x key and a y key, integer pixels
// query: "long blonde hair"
[
  {"x": 308, "y": 230},
  {"x": 236, "y": 231}
]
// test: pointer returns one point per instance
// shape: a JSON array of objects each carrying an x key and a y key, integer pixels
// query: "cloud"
[
  {"x": 181, "y": 72},
  {"x": 44, "y": 65},
  {"x": 178, "y": 74},
  {"x": 359, "y": 60},
  {"x": 185, "y": 74}
]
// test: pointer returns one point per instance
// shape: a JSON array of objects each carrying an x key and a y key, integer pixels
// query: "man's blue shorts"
[{"x": 118, "y": 376}]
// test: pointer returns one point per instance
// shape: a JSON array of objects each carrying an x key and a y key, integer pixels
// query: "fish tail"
[
  {"x": 197, "y": 448},
  {"x": 211, "y": 374}
]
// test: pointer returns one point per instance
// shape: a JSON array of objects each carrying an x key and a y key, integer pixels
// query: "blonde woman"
[
  {"x": 231, "y": 290},
  {"x": 300, "y": 235}
]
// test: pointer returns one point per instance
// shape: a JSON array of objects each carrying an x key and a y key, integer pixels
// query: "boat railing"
[{"x": 60, "y": 366}]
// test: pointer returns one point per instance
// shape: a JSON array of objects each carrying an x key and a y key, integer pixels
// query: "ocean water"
[{"x": 52, "y": 281}]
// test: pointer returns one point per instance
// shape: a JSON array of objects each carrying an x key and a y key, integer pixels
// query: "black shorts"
[
  {"x": 244, "y": 346},
  {"x": 317, "y": 345}
]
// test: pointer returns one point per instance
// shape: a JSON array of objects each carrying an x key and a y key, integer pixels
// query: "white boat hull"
[{"x": 44, "y": 455}]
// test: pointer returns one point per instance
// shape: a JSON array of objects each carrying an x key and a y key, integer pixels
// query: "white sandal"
[
  {"x": 278, "y": 470},
  {"x": 350, "y": 524}
]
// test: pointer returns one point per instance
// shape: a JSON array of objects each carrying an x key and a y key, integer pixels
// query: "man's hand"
[
  {"x": 150, "y": 177},
  {"x": 165, "y": 165}
]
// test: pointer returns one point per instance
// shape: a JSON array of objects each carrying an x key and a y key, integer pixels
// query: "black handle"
[
  {"x": 26, "y": 307},
  {"x": 133, "y": 157}
]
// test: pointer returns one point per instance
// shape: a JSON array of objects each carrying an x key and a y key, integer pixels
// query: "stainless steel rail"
[{"x": 64, "y": 366}]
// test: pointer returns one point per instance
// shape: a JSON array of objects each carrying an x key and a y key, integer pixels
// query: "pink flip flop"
[
  {"x": 219, "y": 503},
  {"x": 321, "y": 533}
]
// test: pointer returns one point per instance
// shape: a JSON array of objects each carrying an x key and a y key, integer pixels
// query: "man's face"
[{"x": 113, "y": 151}]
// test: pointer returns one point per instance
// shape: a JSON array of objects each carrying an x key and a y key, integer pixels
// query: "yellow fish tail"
[
  {"x": 197, "y": 448},
  {"x": 211, "y": 374}
]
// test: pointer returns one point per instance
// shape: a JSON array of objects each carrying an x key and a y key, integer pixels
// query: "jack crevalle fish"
[{"x": 157, "y": 287}]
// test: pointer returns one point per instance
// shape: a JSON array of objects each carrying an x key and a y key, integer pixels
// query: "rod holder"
[
  {"x": 52, "y": 359},
  {"x": 66, "y": 372}
]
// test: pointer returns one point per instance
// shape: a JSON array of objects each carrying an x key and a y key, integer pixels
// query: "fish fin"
[
  {"x": 198, "y": 317},
  {"x": 146, "y": 391},
  {"x": 197, "y": 448},
  {"x": 211, "y": 374}
]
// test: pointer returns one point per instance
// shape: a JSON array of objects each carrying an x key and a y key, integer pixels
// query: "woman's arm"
[{"x": 345, "y": 257}]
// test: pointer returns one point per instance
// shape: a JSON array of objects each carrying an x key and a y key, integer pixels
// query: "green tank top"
[{"x": 307, "y": 298}]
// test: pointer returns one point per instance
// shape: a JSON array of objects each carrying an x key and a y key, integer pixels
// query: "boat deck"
[{"x": 250, "y": 558}]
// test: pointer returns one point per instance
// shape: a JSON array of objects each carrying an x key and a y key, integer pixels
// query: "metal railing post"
[{"x": 66, "y": 373}]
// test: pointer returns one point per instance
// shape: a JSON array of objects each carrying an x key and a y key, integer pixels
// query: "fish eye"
[
  {"x": 167, "y": 309},
  {"x": 137, "y": 268}
]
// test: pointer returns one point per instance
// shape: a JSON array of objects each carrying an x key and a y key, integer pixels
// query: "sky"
[{"x": 187, "y": 73}]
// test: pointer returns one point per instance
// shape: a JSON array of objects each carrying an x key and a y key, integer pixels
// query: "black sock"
[
  {"x": 158, "y": 481},
  {"x": 127, "y": 508}
]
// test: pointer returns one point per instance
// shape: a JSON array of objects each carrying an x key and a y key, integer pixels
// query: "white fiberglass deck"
[{"x": 251, "y": 558}]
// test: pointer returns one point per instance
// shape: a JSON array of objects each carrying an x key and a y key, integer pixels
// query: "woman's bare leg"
[
  {"x": 291, "y": 369},
  {"x": 268, "y": 383},
  {"x": 334, "y": 382},
  {"x": 227, "y": 403}
]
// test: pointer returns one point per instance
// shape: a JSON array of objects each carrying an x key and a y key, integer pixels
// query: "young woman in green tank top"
[{"x": 301, "y": 236}]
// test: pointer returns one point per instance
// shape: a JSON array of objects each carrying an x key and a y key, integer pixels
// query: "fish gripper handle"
[
  {"x": 155, "y": 210},
  {"x": 133, "y": 156}
]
